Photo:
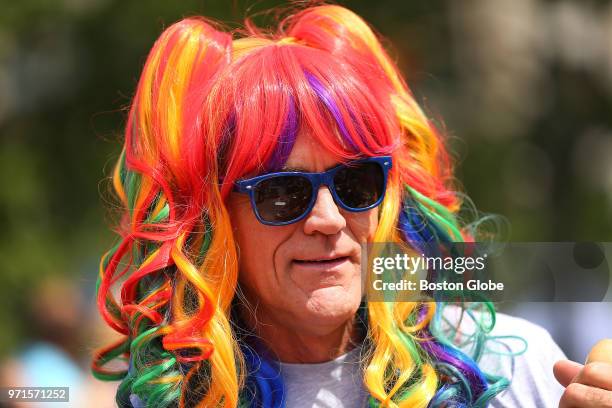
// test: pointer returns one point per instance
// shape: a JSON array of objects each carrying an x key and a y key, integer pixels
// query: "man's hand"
[{"x": 589, "y": 385}]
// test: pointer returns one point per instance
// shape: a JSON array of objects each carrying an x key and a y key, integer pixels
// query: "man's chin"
[{"x": 331, "y": 304}]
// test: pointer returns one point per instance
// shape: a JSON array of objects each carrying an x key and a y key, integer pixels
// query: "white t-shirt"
[{"x": 338, "y": 383}]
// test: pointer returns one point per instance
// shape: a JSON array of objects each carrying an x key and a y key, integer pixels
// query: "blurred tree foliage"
[{"x": 69, "y": 67}]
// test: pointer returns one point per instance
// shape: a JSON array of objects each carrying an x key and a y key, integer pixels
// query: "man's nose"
[{"x": 325, "y": 216}]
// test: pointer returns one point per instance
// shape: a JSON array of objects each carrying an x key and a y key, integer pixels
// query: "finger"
[
  {"x": 565, "y": 371},
  {"x": 596, "y": 375},
  {"x": 583, "y": 396}
]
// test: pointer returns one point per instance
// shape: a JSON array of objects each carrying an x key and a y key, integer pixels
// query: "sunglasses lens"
[
  {"x": 283, "y": 198},
  {"x": 360, "y": 186}
]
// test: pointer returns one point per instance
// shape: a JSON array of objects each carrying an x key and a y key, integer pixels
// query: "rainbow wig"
[{"x": 210, "y": 109}]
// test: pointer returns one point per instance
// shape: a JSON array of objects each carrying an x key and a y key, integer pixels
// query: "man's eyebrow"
[{"x": 291, "y": 168}]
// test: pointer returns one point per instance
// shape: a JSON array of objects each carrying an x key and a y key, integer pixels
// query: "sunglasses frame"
[{"x": 247, "y": 186}]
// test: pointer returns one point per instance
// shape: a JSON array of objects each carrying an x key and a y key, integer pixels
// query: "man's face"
[{"x": 305, "y": 275}]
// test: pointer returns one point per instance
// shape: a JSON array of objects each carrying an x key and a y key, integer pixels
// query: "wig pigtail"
[
  {"x": 398, "y": 373},
  {"x": 465, "y": 385},
  {"x": 409, "y": 366},
  {"x": 175, "y": 291}
]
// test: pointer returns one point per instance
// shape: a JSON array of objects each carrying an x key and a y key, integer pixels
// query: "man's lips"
[{"x": 321, "y": 263}]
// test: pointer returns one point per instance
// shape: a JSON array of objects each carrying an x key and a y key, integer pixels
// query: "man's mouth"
[{"x": 321, "y": 263}]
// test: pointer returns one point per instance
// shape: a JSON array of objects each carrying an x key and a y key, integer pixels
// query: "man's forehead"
[{"x": 308, "y": 155}]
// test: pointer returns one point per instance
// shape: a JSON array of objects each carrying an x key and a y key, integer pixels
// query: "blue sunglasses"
[{"x": 286, "y": 197}]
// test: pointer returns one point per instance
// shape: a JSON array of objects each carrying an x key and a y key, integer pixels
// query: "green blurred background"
[{"x": 523, "y": 88}]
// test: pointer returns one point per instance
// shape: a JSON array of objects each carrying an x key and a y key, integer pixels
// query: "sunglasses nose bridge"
[{"x": 325, "y": 180}]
